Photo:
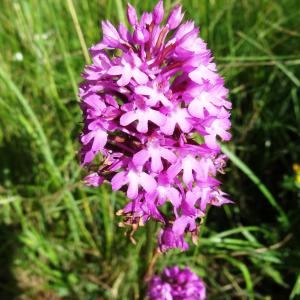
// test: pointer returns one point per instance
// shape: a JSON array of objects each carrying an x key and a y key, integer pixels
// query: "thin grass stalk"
[{"x": 84, "y": 47}]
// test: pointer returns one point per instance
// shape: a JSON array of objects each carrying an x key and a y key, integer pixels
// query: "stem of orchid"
[
  {"x": 150, "y": 229},
  {"x": 151, "y": 255},
  {"x": 150, "y": 269},
  {"x": 202, "y": 226}
]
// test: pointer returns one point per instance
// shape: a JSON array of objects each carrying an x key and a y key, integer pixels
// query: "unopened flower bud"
[
  {"x": 175, "y": 17},
  {"x": 158, "y": 13},
  {"x": 131, "y": 15}
]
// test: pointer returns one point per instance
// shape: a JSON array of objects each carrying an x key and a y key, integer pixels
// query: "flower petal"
[
  {"x": 139, "y": 76},
  {"x": 128, "y": 118},
  {"x": 148, "y": 182},
  {"x": 140, "y": 158}
]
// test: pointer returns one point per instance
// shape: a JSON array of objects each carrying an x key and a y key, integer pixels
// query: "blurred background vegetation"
[{"x": 60, "y": 240}]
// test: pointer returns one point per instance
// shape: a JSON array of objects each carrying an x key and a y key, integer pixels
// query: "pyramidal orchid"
[
  {"x": 154, "y": 110},
  {"x": 176, "y": 284}
]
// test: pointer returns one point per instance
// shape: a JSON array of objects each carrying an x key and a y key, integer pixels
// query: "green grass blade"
[
  {"x": 79, "y": 31},
  {"x": 246, "y": 273},
  {"x": 250, "y": 174},
  {"x": 296, "y": 289},
  {"x": 121, "y": 11},
  {"x": 279, "y": 64},
  {"x": 42, "y": 139}
]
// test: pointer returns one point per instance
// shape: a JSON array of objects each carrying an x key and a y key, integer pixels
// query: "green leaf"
[
  {"x": 296, "y": 288},
  {"x": 265, "y": 191}
]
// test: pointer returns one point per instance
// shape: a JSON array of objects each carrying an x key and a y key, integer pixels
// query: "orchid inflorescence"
[
  {"x": 154, "y": 108},
  {"x": 176, "y": 284}
]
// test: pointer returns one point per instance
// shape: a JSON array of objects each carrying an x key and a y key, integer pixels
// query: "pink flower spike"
[{"x": 154, "y": 110}]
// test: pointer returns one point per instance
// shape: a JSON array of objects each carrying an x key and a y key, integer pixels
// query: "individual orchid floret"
[
  {"x": 93, "y": 180},
  {"x": 129, "y": 68},
  {"x": 134, "y": 178},
  {"x": 176, "y": 284},
  {"x": 155, "y": 110}
]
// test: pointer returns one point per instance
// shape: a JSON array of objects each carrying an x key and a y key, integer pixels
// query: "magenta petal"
[
  {"x": 187, "y": 175},
  {"x": 128, "y": 118},
  {"x": 142, "y": 126},
  {"x": 168, "y": 155},
  {"x": 196, "y": 109},
  {"x": 100, "y": 140},
  {"x": 125, "y": 78},
  {"x": 174, "y": 197},
  {"x": 169, "y": 127},
  {"x": 86, "y": 138},
  {"x": 174, "y": 170},
  {"x": 140, "y": 158},
  {"x": 144, "y": 90},
  {"x": 115, "y": 70},
  {"x": 175, "y": 17},
  {"x": 118, "y": 181},
  {"x": 185, "y": 125},
  {"x": 148, "y": 182},
  {"x": 156, "y": 117},
  {"x": 203, "y": 73},
  {"x": 180, "y": 224},
  {"x": 156, "y": 163},
  {"x": 211, "y": 142},
  {"x": 109, "y": 30},
  {"x": 139, "y": 76},
  {"x": 87, "y": 157},
  {"x": 133, "y": 189}
]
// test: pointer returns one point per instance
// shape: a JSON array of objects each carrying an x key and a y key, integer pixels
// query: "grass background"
[{"x": 60, "y": 240}]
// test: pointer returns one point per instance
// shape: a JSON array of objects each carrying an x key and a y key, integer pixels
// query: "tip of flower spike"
[
  {"x": 158, "y": 13},
  {"x": 175, "y": 17},
  {"x": 131, "y": 15}
]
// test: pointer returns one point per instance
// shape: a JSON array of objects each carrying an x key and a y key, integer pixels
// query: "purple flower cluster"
[
  {"x": 176, "y": 284},
  {"x": 154, "y": 108}
]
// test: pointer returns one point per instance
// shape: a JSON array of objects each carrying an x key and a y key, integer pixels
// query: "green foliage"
[{"x": 60, "y": 240}]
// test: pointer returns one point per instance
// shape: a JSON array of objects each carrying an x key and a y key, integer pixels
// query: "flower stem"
[
  {"x": 150, "y": 269},
  {"x": 151, "y": 254},
  {"x": 150, "y": 229}
]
